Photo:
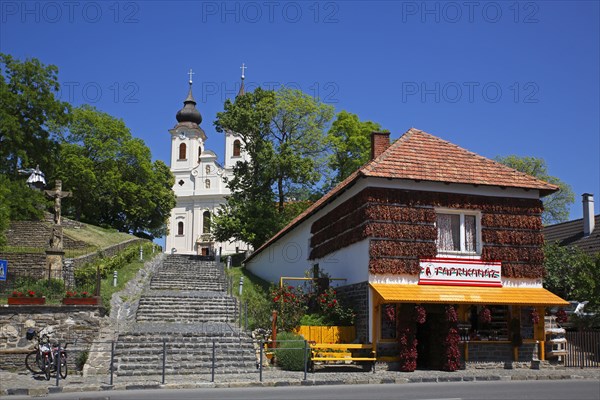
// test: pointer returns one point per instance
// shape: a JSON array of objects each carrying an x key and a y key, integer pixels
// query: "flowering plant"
[
  {"x": 29, "y": 293},
  {"x": 290, "y": 304},
  {"x": 332, "y": 309},
  {"x": 70, "y": 294}
]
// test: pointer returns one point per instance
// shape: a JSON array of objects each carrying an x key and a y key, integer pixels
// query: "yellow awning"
[{"x": 467, "y": 294}]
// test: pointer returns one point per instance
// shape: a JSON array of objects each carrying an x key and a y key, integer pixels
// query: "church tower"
[{"x": 200, "y": 186}]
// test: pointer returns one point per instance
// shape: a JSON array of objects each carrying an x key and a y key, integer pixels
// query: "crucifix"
[
  {"x": 57, "y": 194},
  {"x": 243, "y": 68},
  {"x": 190, "y": 74}
]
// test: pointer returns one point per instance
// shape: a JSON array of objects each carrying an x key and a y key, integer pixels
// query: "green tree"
[
  {"x": 350, "y": 142},
  {"x": 297, "y": 132},
  {"x": 283, "y": 134},
  {"x": 249, "y": 214},
  {"x": 572, "y": 274},
  {"x": 112, "y": 177},
  {"x": 556, "y": 205},
  {"x": 29, "y": 115}
]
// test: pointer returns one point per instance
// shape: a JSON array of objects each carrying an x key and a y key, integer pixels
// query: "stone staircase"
[{"x": 184, "y": 316}]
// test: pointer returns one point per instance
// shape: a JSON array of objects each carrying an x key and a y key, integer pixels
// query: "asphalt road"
[{"x": 527, "y": 390}]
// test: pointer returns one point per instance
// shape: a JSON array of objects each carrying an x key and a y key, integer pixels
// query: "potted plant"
[
  {"x": 80, "y": 298},
  {"x": 29, "y": 297}
]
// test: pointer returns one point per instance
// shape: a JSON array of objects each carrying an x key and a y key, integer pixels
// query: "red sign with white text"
[{"x": 460, "y": 272}]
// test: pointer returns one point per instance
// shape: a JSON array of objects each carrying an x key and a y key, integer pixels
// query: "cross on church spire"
[
  {"x": 190, "y": 74},
  {"x": 243, "y": 68}
]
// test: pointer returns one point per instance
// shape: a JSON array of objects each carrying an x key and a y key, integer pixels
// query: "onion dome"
[{"x": 189, "y": 113}]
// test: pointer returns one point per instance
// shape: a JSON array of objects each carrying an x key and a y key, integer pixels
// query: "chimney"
[
  {"x": 588, "y": 213},
  {"x": 380, "y": 141}
]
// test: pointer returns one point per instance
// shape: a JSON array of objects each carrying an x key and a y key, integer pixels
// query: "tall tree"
[
  {"x": 112, "y": 177},
  {"x": 350, "y": 142},
  {"x": 29, "y": 109},
  {"x": 249, "y": 214},
  {"x": 283, "y": 132},
  {"x": 297, "y": 131},
  {"x": 556, "y": 205}
]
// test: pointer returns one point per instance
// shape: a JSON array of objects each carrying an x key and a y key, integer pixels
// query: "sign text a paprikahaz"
[{"x": 460, "y": 272}]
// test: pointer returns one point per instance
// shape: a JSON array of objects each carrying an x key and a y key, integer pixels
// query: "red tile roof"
[{"x": 419, "y": 156}]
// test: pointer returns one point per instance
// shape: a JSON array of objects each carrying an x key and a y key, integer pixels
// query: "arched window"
[
  {"x": 182, "y": 151},
  {"x": 207, "y": 184},
  {"x": 206, "y": 222},
  {"x": 180, "y": 228},
  {"x": 237, "y": 148}
]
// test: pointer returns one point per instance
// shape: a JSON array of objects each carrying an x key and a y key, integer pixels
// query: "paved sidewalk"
[{"x": 23, "y": 383}]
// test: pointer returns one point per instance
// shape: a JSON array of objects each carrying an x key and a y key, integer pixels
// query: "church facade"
[{"x": 200, "y": 184}]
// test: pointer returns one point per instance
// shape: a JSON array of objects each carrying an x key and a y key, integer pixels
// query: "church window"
[
  {"x": 180, "y": 228},
  {"x": 199, "y": 152},
  {"x": 237, "y": 148},
  {"x": 182, "y": 151},
  {"x": 206, "y": 222},
  {"x": 207, "y": 183},
  {"x": 207, "y": 169}
]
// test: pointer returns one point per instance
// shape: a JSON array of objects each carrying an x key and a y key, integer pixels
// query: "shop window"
[
  {"x": 237, "y": 148},
  {"x": 388, "y": 321},
  {"x": 180, "y": 228},
  {"x": 182, "y": 151},
  {"x": 206, "y": 222},
  {"x": 458, "y": 232}
]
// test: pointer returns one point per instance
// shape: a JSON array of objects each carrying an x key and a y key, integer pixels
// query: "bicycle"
[{"x": 44, "y": 359}]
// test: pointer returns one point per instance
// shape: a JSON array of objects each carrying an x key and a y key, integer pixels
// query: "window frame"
[
  {"x": 237, "y": 148},
  {"x": 462, "y": 232},
  {"x": 182, "y": 151}
]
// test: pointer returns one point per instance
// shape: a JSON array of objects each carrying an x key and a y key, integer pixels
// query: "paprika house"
[{"x": 427, "y": 222}]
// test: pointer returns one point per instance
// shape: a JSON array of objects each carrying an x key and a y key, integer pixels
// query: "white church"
[{"x": 200, "y": 184}]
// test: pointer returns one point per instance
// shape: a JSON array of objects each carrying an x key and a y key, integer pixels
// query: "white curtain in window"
[
  {"x": 448, "y": 232},
  {"x": 470, "y": 233}
]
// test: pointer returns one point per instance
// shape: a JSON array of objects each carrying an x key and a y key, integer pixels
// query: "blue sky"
[{"x": 494, "y": 77}]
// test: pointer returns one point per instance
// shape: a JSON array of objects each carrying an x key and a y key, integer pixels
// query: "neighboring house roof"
[
  {"x": 571, "y": 234},
  {"x": 419, "y": 156}
]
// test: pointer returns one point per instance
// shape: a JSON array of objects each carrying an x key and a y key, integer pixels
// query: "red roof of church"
[{"x": 419, "y": 156}]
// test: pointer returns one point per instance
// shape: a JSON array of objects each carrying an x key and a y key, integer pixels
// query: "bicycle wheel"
[
  {"x": 47, "y": 366},
  {"x": 31, "y": 362},
  {"x": 63, "y": 365}
]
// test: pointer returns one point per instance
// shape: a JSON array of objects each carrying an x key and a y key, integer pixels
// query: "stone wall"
[
  {"x": 77, "y": 326},
  {"x": 34, "y": 264},
  {"x": 357, "y": 296}
]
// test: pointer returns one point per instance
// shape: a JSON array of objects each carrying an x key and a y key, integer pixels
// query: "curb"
[{"x": 37, "y": 392}]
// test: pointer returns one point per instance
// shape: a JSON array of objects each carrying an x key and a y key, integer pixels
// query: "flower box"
[
  {"x": 26, "y": 301},
  {"x": 81, "y": 301}
]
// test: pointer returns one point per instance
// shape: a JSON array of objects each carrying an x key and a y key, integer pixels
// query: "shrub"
[
  {"x": 313, "y": 320},
  {"x": 289, "y": 353},
  {"x": 291, "y": 306}
]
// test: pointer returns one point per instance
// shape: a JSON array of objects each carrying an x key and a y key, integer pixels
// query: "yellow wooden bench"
[{"x": 326, "y": 352}]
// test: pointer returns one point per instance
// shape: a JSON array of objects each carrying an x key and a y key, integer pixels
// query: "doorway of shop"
[{"x": 430, "y": 338}]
